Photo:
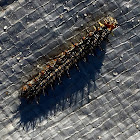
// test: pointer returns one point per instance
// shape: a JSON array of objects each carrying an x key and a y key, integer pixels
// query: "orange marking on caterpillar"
[
  {"x": 25, "y": 87},
  {"x": 29, "y": 84},
  {"x": 90, "y": 34},
  {"x": 84, "y": 38},
  {"x": 42, "y": 72}
]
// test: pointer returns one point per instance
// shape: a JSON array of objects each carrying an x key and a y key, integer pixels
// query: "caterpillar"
[{"x": 62, "y": 62}]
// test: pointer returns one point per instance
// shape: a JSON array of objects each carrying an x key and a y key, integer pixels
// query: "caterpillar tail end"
[{"x": 110, "y": 23}]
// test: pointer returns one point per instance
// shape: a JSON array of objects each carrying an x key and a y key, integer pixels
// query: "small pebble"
[
  {"x": 121, "y": 57},
  {"x": 85, "y": 15},
  {"x": 61, "y": 16},
  {"x": 18, "y": 58},
  {"x": 4, "y": 17},
  {"x": 0, "y": 48},
  {"x": 66, "y": 8},
  {"x": 132, "y": 20},
  {"x": 115, "y": 73},
  {"x": 5, "y": 27},
  {"x": 137, "y": 126},
  {"x": 128, "y": 6},
  {"x": 67, "y": 99},
  {"x": 89, "y": 97},
  {"x": 118, "y": 80},
  {"x": 82, "y": 25}
]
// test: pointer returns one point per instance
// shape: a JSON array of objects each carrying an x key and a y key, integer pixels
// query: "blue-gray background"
[{"x": 102, "y": 101}]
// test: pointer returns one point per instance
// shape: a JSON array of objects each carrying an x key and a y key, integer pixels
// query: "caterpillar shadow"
[{"x": 71, "y": 93}]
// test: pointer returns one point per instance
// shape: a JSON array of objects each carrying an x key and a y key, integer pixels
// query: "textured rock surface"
[{"x": 102, "y": 101}]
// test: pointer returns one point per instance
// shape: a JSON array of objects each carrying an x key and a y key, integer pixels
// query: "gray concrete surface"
[{"x": 102, "y": 101}]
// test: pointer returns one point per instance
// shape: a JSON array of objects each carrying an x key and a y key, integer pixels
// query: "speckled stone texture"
[{"x": 102, "y": 101}]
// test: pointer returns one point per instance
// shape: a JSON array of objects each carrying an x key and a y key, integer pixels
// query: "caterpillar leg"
[
  {"x": 85, "y": 59},
  {"x": 76, "y": 65},
  {"x": 59, "y": 81},
  {"x": 68, "y": 74}
]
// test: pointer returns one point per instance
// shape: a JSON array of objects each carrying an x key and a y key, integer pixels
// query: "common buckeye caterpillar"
[{"x": 61, "y": 63}]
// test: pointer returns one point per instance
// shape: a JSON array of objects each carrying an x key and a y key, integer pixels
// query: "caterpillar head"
[{"x": 110, "y": 23}]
